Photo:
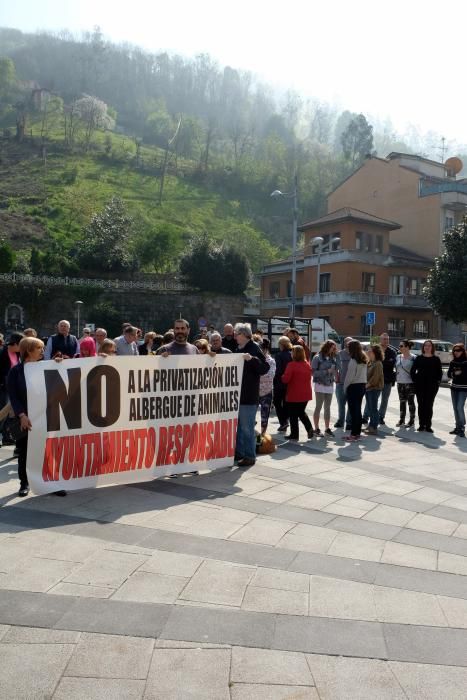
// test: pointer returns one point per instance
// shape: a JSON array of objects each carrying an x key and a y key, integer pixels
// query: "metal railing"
[
  {"x": 427, "y": 188},
  {"x": 367, "y": 298},
  {"x": 49, "y": 281}
]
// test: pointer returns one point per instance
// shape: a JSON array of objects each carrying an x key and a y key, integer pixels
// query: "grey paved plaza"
[{"x": 327, "y": 571}]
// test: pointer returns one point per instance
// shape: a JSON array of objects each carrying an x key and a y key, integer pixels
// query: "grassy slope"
[{"x": 41, "y": 204}]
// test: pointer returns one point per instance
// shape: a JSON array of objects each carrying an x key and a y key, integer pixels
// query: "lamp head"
[
  {"x": 317, "y": 240},
  {"x": 277, "y": 193}
]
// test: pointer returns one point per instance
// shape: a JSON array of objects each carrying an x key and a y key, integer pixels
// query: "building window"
[
  {"x": 289, "y": 288},
  {"x": 368, "y": 281},
  {"x": 364, "y": 241},
  {"x": 379, "y": 244},
  {"x": 325, "y": 282},
  {"x": 274, "y": 290},
  {"x": 412, "y": 288},
  {"x": 421, "y": 329},
  {"x": 368, "y": 243},
  {"x": 448, "y": 222},
  {"x": 331, "y": 242},
  {"x": 396, "y": 327},
  {"x": 396, "y": 285},
  {"x": 359, "y": 240}
]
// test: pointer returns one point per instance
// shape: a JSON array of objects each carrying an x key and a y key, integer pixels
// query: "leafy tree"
[
  {"x": 7, "y": 257},
  {"x": 357, "y": 140},
  {"x": 158, "y": 246},
  {"x": 105, "y": 315},
  {"x": 215, "y": 268},
  {"x": 7, "y": 80},
  {"x": 94, "y": 115},
  {"x": 447, "y": 281},
  {"x": 105, "y": 243},
  {"x": 36, "y": 262}
]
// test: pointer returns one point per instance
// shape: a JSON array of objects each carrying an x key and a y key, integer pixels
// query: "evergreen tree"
[
  {"x": 104, "y": 245},
  {"x": 7, "y": 257},
  {"x": 447, "y": 281},
  {"x": 357, "y": 140},
  {"x": 214, "y": 268}
]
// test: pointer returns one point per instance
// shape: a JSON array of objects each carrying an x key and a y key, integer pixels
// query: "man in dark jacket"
[
  {"x": 228, "y": 341},
  {"x": 255, "y": 366},
  {"x": 62, "y": 344}
]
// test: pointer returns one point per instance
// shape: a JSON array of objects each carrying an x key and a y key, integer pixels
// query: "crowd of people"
[{"x": 284, "y": 379}]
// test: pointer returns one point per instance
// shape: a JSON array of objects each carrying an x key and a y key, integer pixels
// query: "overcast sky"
[{"x": 398, "y": 59}]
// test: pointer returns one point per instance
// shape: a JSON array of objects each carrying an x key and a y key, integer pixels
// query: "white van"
[{"x": 442, "y": 347}]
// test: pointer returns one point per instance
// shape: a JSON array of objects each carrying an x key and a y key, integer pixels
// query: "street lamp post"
[
  {"x": 294, "y": 196},
  {"x": 78, "y": 305}
]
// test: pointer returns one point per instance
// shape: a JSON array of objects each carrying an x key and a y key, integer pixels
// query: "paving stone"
[
  {"x": 36, "y": 635},
  {"x": 422, "y": 580},
  {"x": 107, "y": 568},
  {"x": 228, "y": 550},
  {"x": 220, "y": 626},
  {"x": 114, "y": 617},
  {"x": 403, "y": 502},
  {"x": 314, "y": 500},
  {"x": 219, "y": 582},
  {"x": 171, "y": 564},
  {"x": 407, "y": 555},
  {"x": 428, "y": 523},
  {"x": 455, "y": 610},
  {"x": 284, "y": 580},
  {"x": 285, "y": 511},
  {"x": 356, "y": 547},
  {"x": 442, "y": 511},
  {"x": 353, "y": 679},
  {"x": 432, "y": 541},
  {"x": 271, "y": 600},
  {"x": 282, "y": 493},
  {"x": 32, "y": 609},
  {"x": 389, "y": 515},
  {"x": 247, "y": 691},
  {"x": 308, "y": 538},
  {"x": 193, "y": 673},
  {"x": 3, "y": 631},
  {"x": 431, "y": 495},
  {"x": 430, "y": 682},
  {"x": 80, "y": 590},
  {"x": 326, "y": 636},
  {"x": 338, "y": 567},
  {"x": 99, "y": 689},
  {"x": 429, "y": 645},
  {"x": 330, "y": 597},
  {"x": 111, "y": 656},
  {"x": 263, "y": 531},
  {"x": 269, "y": 666},
  {"x": 145, "y": 587},
  {"x": 362, "y": 527},
  {"x": 36, "y": 574},
  {"x": 32, "y": 670},
  {"x": 407, "y": 607},
  {"x": 452, "y": 563}
]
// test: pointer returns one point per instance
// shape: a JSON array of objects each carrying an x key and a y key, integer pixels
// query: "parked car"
[{"x": 443, "y": 349}]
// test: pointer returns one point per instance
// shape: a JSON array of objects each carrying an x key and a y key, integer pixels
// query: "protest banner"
[{"x": 104, "y": 421}]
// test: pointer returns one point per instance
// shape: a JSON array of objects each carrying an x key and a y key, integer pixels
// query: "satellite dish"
[{"x": 453, "y": 165}]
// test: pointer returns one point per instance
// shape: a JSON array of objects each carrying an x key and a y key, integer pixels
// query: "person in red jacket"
[{"x": 297, "y": 376}]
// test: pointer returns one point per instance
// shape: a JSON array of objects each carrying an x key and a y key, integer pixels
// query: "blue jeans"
[
  {"x": 458, "y": 397},
  {"x": 246, "y": 438},
  {"x": 341, "y": 405},
  {"x": 372, "y": 396},
  {"x": 385, "y": 393}
]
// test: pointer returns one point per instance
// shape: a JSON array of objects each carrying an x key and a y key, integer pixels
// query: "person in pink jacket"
[{"x": 297, "y": 376}]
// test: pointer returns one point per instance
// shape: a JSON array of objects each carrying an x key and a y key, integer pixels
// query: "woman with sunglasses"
[
  {"x": 405, "y": 385},
  {"x": 457, "y": 373},
  {"x": 426, "y": 373}
]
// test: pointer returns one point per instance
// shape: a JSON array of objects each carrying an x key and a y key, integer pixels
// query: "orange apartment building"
[
  {"x": 361, "y": 270},
  {"x": 422, "y": 195}
]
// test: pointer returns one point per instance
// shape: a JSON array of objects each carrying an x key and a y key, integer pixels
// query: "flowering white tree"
[{"x": 93, "y": 114}]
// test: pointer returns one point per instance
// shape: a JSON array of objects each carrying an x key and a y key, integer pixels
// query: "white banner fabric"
[{"x": 119, "y": 420}]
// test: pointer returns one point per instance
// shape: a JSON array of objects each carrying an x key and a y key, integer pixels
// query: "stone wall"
[{"x": 42, "y": 307}]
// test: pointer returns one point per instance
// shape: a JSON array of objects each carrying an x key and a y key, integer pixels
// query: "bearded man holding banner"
[{"x": 255, "y": 366}]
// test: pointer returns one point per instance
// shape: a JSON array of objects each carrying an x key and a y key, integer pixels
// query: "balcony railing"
[
  {"x": 280, "y": 303},
  {"x": 367, "y": 299},
  {"x": 428, "y": 188}
]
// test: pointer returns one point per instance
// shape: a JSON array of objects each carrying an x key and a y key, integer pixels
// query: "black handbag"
[{"x": 13, "y": 427}]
